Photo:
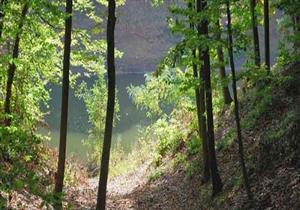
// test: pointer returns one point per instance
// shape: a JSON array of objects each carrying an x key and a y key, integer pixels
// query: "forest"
[{"x": 150, "y": 104}]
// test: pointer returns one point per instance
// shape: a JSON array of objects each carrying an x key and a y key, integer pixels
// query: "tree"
[
  {"x": 200, "y": 104},
  {"x": 101, "y": 197},
  {"x": 236, "y": 103},
  {"x": 203, "y": 127},
  {"x": 12, "y": 66},
  {"x": 255, "y": 33},
  {"x": 64, "y": 104},
  {"x": 225, "y": 89},
  {"x": 267, "y": 33},
  {"x": 216, "y": 180}
]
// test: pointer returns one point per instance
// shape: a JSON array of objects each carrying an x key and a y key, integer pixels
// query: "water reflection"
[{"x": 126, "y": 130}]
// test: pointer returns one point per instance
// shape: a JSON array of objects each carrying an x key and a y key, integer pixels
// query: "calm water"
[{"x": 126, "y": 130}]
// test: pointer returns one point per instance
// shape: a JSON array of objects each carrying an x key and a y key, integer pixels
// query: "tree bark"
[
  {"x": 200, "y": 98},
  {"x": 236, "y": 104},
  {"x": 267, "y": 34},
  {"x": 64, "y": 105},
  {"x": 216, "y": 180},
  {"x": 225, "y": 89},
  {"x": 255, "y": 33},
  {"x": 12, "y": 66},
  {"x": 101, "y": 197},
  {"x": 200, "y": 103}
]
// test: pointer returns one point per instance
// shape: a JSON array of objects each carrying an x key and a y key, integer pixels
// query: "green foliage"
[
  {"x": 168, "y": 95},
  {"x": 161, "y": 92},
  {"x": 140, "y": 154},
  {"x": 19, "y": 150},
  {"x": 3, "y": 202},
  {"x": 263, "y": 100},
  {"x": 194, "y": 145},
  {"x": 169, "y": 138},
  {"x": 284, "y": 57},
  {"x": 289, "y": 6},
  {"x": 157, "y": 3},
  {"x": 180, "y": 159},
  {"x": 39, "y": 65},
  {"x": 95, "y": 100},
  {"x": 36, "y": 65},
  {"x": 19, "y": 144}
]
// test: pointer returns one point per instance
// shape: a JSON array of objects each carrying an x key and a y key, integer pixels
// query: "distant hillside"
[{"x": 143, "y": 35}]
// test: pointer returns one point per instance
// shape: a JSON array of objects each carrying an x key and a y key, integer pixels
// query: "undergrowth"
[
  {"x": 28, "y": 166},
  {"x": 270, "y": 117}
]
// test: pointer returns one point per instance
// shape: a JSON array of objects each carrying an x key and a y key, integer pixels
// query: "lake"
[{"x": 125, "y": 131}]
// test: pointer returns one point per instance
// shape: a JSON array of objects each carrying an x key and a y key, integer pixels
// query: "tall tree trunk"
[
  {"x": 255, "y": 32},
  {"x": 267, "y": 34},
  {"x": 64, "y": 105},
  {"x": 203, "y": 128},
  {"x": 236, "y": 104},
  {"x": 12, "y": 66},
  {"x": 2, "y": 15},
  {"x": 216, "y": 180},
  {"x": 225, "y": 89},
  {"x": 101, "y": 198},
  {"x": 200, "y": 103},
  {"x": 200, "y": 100}
]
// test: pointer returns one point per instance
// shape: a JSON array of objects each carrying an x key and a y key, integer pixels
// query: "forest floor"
[
  {"x": 118, "y": 188},
  {"x": 135, "y": 191}
]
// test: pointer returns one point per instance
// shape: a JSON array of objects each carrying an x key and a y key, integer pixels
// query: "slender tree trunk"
[
  {"x": 255, "y": 33},
  {"x": 203, "y": 127},
  {"x": 236, "y": 104},
  {"x": 225, "y": 89},
  {"x": 12, "y": 66},
  {"x": 2, "y": 15},
  {"x": 267, "y": 34},
  {"x": 64, "y": 105},
  {"x": 200, "y": 103},
  {"x": 216, "y": 180},
  {"x": 101, "y": 198},
  {"x": 200, "y": 100}
]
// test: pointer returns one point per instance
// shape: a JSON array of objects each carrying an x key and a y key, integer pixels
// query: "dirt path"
[
  {"x": 122, "y": 185},
  {"x": 172, "y": 190},
  {"x": 118, "y": 190}
]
